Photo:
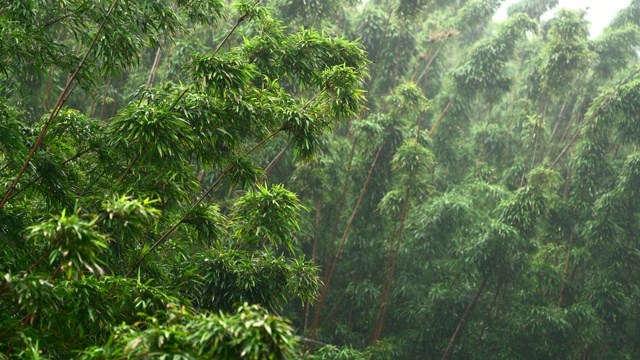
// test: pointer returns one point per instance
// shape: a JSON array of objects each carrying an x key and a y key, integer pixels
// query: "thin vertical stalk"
[
  {"x": 487, "y": 317},
  {"x": 467, "y": 314},
  {"x": 276, "y": 159},
  {"x": 66, "y": 91},
  {"x": 558, "y": 119},
  {"x": 343, "y": 196},
  {"x": 543, "y": 114},
  {"x": 195, "y": 204},
  {"x": 566, "y": 270},
  {"x": 426, "y": 68},
  {"x": 333, "y": 265},
  {"x": 606, "y": 101},
  {"x": 377, "y": 331},
  {"x": 126, "y": 171},
  {"x": 184, "y": 92},
  {"x": 154, "y": 68},
  {"x": 444, "y": 112},
  {"x": 386, "y": 293},
  {"x": 307, "y": 310},
  {"x": 104, "y": 100}
]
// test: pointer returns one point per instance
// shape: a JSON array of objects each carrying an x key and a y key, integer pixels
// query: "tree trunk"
[
  {"x": 154, "y": 68},
  {"x": 467, "y": 314},
  {"x": 444, "y": 112},
  {"x": 343, "y": 196},
  {"x": 565, "y": 271},
  {"x": 313, "y": 257},
  {"x": 487, "y": 317},
  {"x": 384, "y": 297},
  {"x": 332, "y": 265},
  {"x": 383, "y": 289}
]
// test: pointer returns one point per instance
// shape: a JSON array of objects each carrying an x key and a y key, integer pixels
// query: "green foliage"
[
  {"x": 534, "y": 9},
  {"x": 478, "y": 191},
  {"x": 225, "y": 76},
  {"x": 483, "y": 71},
  {"x": 112, "y": 275},
  {"x": 566, "y": 50},
  {"x": 75, "y": 243},
  {"x": 267, "y": 214},
  {"x": 474, "y": 14},
  {"x": 616, "y": 48},
  {"x": 249, "y": 333},
  {"x": 232, "y": 277}
]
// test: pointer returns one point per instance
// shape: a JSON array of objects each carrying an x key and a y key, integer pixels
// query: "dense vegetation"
[{"x": 318, "y": 179}]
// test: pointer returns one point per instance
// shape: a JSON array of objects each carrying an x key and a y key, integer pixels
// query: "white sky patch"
[{"x": 600, "y": 12}]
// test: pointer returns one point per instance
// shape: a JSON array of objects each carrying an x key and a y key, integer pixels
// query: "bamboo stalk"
[
  {"x": 333, "y": 266},
  {"x": 467, "y": 314},
  {"x": 66, "y": 91}
]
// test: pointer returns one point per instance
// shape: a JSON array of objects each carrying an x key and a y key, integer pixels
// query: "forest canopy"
[{"x": 318, "y": 179}]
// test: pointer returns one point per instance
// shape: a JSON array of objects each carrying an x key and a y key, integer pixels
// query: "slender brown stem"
[
  {"x": 66, "y": 91},
  {"x": 333, "y": 265},
  {"x": 209, "y": 190},
  {"x": 79, "y": 154},
  {"x": 426, "y": 68},
  {"x": 126, "y": 171},
  {"x": 569, "y": 123},
  {"x": 343, "y": 196},
  {"x": 86, "y": 190},
  {"x": 444, "y": 112},
  {"x": 566, "y": 270},
  {"x": 334, "y": 309},
  {"x": 276, "y": 159},
  {"x": 233, "y": 29},
  {"x": 383, "y": 304},
  {"x": 194, "y": 205},
  {"x": 55, "y": 273},
  {"x": 386, "y": 293},
  {"x": 487, "y": 317},
  {"x": 44, "y": 256},
  {"x": 313, "y": 256},
  {"x": 24, "y": 320},
  {"x": 558, "y": 119},
  {"x": 154, "y": 68},
  {"x": 240, "y": 20},
  {"x": 467, "y": 314},
  {"x": 606, "y": 101}
]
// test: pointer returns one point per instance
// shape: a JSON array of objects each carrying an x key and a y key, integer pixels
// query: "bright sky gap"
[{"x": 599, "y": 12}]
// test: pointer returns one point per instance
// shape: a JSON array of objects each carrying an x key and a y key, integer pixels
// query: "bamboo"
[
  {"x": 332, "y": 266},
  {"x": 467, "y": 314},
  {"x": 66, "y": 91}
]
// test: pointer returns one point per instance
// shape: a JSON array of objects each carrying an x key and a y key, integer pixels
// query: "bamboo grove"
[{"x": 319, "y": 179}]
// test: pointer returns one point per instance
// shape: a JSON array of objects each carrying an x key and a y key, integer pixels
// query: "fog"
[{"x": 599, "y": 12}]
